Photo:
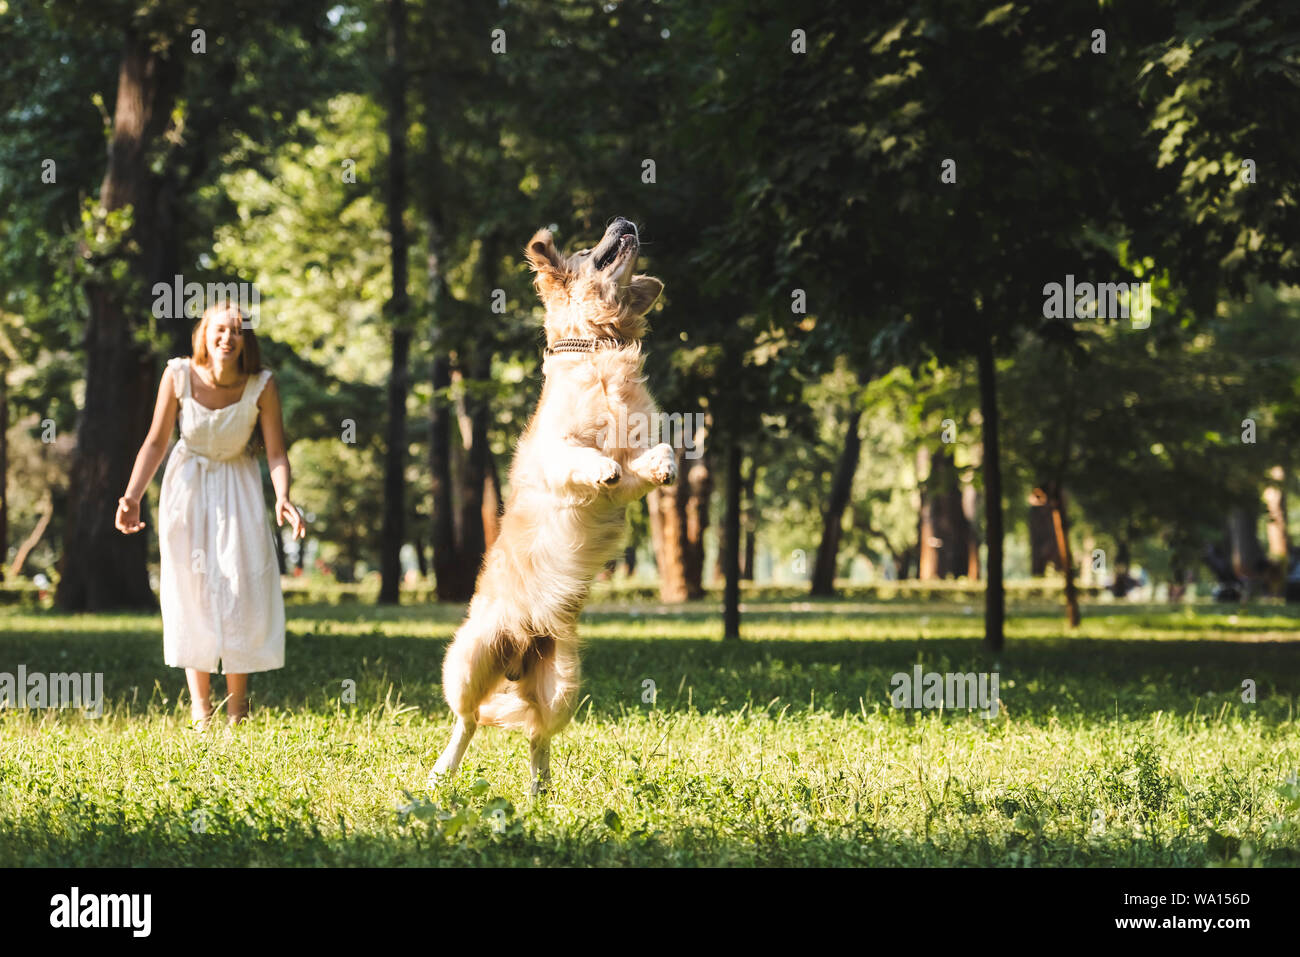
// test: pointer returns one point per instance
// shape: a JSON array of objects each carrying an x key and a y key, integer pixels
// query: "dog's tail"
[
  {"x": 538, "y": 691},
  {"x": 504, "y": 708}
]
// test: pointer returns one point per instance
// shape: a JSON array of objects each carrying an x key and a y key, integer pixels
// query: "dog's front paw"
[
  {"x": 662, "y": 465},
  {"x": 603, "y": 473}
]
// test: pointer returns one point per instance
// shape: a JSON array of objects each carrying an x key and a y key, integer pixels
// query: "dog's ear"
[
  {"x": 542, "y": 254},
  {"x": 546, "y": 262},
  {"x": 642, "y": 292}
]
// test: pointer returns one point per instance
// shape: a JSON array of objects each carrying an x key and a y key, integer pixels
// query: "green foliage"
[
  {"x": 1218, "y": 87},
  {"x": 466, "y": 820},
  {"x": 776, "y": 171},
  {"x": 314, "y": 244},
  {"x": 337, "y": 483}
]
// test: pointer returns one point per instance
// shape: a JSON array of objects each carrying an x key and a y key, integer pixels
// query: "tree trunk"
[
  {"x": 750, "y": 519},
  {"x": 31, "y": 541},
  {"x": 421, "y": 560},
  {"x": 944, "y": 533},
  {"x": 453, "y": 580},
  {"x": 823, "y": 579},
  {"x": 4, "y": 460},
  {"x": 1248, "y": 560},
  {"x": 970, "y": 512},
  {"x": 1044, "y": 548},
  {"x": 1061, "y": 525},
  {"x": 1278, "y": 546},
  {"x": 954, "y": 530},
  {"x": 476, "y": 492},
  {"x": 471, "y": 542},
  {"x": 394, "y": 521},
  {"x": 693, "y": 507},
  {"x": 994, "y": 597},
  {"x": 907, "y": 559},
  {"x": 731, "y": 545},
  {"x": 910, "y": 555},
  {"x": 101, "y": 568},
  {"x": 679, "y": 518},
  {"x": 395, "y": 446},
  {"x": 927, "y": 564},
  {"x": 448, "y": 581},
  {"x": 666, "y": 535}
]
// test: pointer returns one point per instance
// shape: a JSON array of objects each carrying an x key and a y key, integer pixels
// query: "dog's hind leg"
[
  {"x": 539, "y": 754},
  {"x": 469, "y": 671},
  {"x": 455, "y": 751},
  {"x": 552, "y": 689}
]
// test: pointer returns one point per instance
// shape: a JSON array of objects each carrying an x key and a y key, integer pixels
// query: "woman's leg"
[
  {"x": 200, "y": 705},
  {"x": 237, "y": 702}
]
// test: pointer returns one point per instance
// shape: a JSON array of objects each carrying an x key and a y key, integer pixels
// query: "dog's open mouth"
[{"x": 620, "y": 241}]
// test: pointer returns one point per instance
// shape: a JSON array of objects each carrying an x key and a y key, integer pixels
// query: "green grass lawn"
[{"x": 1127, "y": 744}]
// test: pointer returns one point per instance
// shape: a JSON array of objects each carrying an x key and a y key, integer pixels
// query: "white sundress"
[{"x": 219, "y": 582}]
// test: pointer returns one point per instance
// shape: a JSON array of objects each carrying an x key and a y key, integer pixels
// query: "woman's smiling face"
[{"x": 225, "y": 337}]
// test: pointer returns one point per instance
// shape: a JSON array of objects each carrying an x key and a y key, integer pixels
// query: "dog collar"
[{"x": 583, "y": 345}]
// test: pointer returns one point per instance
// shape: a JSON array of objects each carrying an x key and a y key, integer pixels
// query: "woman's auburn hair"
[{"x": 250, "y": 356}]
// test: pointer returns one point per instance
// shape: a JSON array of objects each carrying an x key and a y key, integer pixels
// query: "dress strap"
[
  {"x": 179, "y": 368},
  {"x": 254, "y": 386}
]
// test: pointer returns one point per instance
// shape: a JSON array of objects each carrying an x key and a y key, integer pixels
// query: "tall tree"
[
  {"x": 102, "y": 568},
  {"x": 392, "y": 535},
  {"x": 731, "y": 542},
  {"x": 823, "y": 577}
]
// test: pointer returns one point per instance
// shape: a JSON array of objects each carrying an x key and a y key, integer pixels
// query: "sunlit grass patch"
[{"x": 1129, "y": 745}]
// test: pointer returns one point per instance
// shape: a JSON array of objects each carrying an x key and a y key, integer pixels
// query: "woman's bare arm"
[
  {"x": 149, "y": 457},
  {"x": 277, "y": 459}
]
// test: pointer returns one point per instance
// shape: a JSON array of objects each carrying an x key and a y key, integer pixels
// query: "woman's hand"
[
  {"x": 127, "y": 519},
  {"x": 286, "y": 510}
]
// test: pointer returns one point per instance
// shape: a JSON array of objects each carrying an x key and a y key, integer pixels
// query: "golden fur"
[{"x": 514, "y": 661}]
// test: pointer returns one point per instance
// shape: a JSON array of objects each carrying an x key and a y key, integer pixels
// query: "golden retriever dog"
[{"x": 514, "y": 661}]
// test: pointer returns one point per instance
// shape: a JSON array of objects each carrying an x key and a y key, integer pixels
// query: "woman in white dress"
[{"x": 220, "y": 582}]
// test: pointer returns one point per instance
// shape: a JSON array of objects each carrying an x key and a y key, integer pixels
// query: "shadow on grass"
[
  {"x": 298, "y": 842},
  {"x": 1040, "y": 677}
]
